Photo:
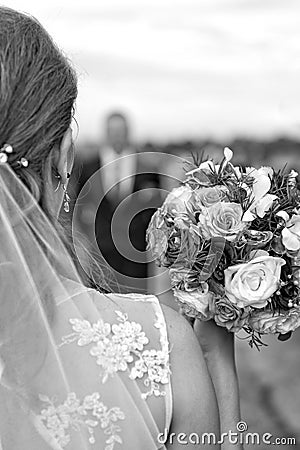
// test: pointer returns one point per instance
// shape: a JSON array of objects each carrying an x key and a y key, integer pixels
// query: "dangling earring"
[
  {"x": 66, "y": 199},
  {"x": 66, "y": 195}
]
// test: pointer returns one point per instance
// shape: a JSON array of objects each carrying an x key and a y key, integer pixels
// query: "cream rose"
[
  {"x": 268, "y": 322},
  {"x": 222, "y": 219},
  {"x": 178, "y": 199},
  {"x": 196, "y": 301},
  {"x": 291, "y": 234},
  {"x": 208, "y": 196},
  {"x": 254, "y": 282},
  {"x": 177, "y": 204}
]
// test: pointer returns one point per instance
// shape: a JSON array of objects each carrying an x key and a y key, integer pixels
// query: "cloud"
[{"x": 220, "y": 67}]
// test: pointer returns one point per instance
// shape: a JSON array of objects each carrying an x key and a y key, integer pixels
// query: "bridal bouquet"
[{"x": 230, "y": 237}]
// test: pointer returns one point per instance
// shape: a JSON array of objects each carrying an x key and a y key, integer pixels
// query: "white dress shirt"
[{"x": 118, "y": 171}]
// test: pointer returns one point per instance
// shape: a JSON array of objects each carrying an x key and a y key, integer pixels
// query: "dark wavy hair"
[{"x": 38, "y": 88}]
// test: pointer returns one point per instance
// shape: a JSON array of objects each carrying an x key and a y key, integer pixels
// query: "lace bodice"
[
  {"x": 90, "y": 412},
  {"x": 120, "y": 346}
]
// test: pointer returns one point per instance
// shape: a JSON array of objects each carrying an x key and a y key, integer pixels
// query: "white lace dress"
[{"x": 115, "y": 353}]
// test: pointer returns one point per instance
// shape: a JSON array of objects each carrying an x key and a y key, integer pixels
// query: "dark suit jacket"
[{"x": 117, "y": 227}]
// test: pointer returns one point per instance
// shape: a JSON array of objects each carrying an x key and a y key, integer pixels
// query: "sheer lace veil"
[
  {"x": 34, "y": 267},
  {"x": 32, "y": 261}
]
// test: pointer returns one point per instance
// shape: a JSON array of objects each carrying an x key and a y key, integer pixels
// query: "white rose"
[
  {"x": 208, "y": 196},
  {"x": 223, "y": 219},
  {"x": 254, "y": 282}
]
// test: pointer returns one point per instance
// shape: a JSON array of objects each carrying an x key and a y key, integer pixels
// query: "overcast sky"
[{"x": 182, "y": 68}]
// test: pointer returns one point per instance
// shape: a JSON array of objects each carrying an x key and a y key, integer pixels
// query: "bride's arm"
[
  {"x": 195, "y": 410},
  {"x": 218, "y": 349}
]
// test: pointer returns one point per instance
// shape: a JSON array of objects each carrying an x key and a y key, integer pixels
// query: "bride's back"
[
  {"x": 118, "y": 371},
  {"x": 154, "y": 353}
]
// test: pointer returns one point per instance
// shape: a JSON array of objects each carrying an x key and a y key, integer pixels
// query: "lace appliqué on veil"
[
  {"x": 73, "y": 413},
  {"x": 120, "y": 347}
]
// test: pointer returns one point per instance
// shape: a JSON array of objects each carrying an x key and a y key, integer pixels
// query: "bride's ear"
[{"x": 65, "y": 158}]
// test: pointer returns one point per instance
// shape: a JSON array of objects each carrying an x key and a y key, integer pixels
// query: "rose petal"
[
  {"x": 264, "y": 204},
  {"x": 290, "y": 241},
  {"x": 228, "y": 154},
  {"x": 293, "y": 174},
  {"x": 261, "y": 186},
  {"x": 283, "y": 214},
  {"x": 248, "y": 216},
  {"x": 266, "y": 170},
  {"x": 294, "y": 225},
  {"x": 258, "y": 253}
]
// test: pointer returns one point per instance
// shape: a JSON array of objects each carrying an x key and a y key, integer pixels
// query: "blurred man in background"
[{"x": 116, "y": 205}]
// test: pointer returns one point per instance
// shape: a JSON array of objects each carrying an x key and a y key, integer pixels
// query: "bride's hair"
[{"x": 38, "y": 88}]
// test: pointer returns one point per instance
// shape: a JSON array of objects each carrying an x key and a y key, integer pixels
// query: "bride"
[{"x": 81, "y": 368}]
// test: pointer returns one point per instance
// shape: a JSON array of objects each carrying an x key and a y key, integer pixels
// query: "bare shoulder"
[
  {"x": 177, "y": 324},
  {"x": 184, "y": 344}
]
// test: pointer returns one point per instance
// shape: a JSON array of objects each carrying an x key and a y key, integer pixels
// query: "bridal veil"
[{"x": 54, "y": 336}]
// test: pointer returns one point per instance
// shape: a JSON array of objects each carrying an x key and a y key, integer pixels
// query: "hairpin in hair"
[
  {"x": 6, "y": 150},
  {"x": 23, "y": 162}
]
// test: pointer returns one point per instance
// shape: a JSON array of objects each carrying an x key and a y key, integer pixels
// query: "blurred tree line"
[{"x": 276, "y": 153}]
